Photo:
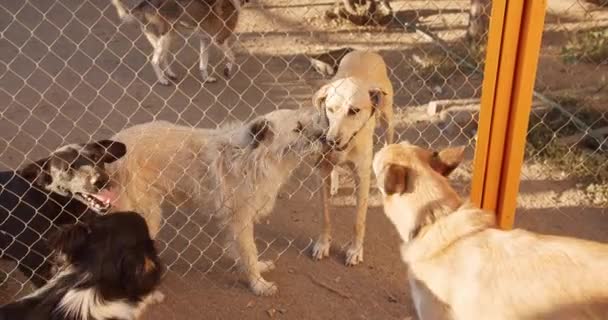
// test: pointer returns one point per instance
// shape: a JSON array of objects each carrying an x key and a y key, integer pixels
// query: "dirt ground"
[{"x": 70, "y": 72}]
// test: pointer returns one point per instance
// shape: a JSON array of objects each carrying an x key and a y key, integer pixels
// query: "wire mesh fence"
[
  {"x": 563, "y": 181},
  {"x": 74, "y": 71}
]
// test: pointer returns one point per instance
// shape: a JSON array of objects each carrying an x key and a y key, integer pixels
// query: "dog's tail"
[{"x": 123, "y": 12}]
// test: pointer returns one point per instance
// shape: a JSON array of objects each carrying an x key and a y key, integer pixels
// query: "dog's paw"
[
  {"x": 265, "y": 266},
  {"x": 354, "y": 255},
  {"x": 170, "y": 74},
  {"x": 261, "y": 287},
  {"x": 228, "y": 70},
  {"x": 321, "y": 249},
  {"x": 207, "y": 78},
  {"x": 164, "y": 81},
  {"x": 156, "y": 297}
]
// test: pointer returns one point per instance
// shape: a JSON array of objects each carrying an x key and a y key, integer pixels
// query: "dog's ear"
[
  {"x": 139, "y": 271},
  {"x": 70, "y": 240},
  {"x": 37, "y": 173},
  {"x": 446, "y": 160},
  {"x": 107, "y": 151},
  {"x": 377, "y": 96},
  {"x": 395, "y": 179},
  {"x": 318, "y": 99},
  {"x": 259, "y": 131}
]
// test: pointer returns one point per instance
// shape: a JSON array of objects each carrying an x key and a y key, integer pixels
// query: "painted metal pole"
[{"x": 513, "y": 50}]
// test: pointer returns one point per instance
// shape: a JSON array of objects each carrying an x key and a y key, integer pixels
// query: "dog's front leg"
[
  {"x": 165, "y": 64},
  {"x": 204, "y": 59},
  {"x": 354, "y": 253},
  {"x": 157, "y": 44},
  {"x": 321, "y": 247},
  {"x": 247, "y": 253}
]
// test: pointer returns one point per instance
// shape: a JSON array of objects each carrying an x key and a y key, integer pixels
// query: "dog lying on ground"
[
  {"x": 60, "y": 189},
  {"x": 213, "y": 21},
  {"x": 461, "y": 267},
  {"x": 358, "y": 93},
  {"x": 233, "y": 173},
  {"x": 112, "y": 271}
]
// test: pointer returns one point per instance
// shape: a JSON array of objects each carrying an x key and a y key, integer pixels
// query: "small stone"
[{"x": 271, "y": 312}]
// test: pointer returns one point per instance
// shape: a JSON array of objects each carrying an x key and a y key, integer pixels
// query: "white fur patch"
[{"x": 87, "y": 304}]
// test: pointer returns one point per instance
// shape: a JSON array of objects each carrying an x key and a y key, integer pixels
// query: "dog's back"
[{"x": 495, "y": 274}]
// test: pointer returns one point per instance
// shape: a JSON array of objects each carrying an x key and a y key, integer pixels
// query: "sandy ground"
[{"x": 74, "y": 74}]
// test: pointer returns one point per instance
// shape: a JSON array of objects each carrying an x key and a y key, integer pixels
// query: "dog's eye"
[
  {"x": 353, "y": 111},
  {"x": 299, "y": 127}
]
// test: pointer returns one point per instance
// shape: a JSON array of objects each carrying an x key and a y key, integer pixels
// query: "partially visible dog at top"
[
  {"x": 357, "y": 95},
  {"x": 212, "y": 21},
  {"x": 461, "y": 266},
  {"x": 111, "y": 271},
  {"x": 233, "y": 173},
  {"x": 63, "y": 188}
]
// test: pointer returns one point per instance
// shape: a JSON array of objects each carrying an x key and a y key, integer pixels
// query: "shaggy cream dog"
[
  {"x": 461, "y": 267},
  {"x": 232, "y": 173}
]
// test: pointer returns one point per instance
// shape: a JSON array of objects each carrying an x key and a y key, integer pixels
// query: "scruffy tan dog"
[
  {"x": 461, "y": 267},
  {"x": 232, "y": 173},
  {"x": 360, "y": 91}
]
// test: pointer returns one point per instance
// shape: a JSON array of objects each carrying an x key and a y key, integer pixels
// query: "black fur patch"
[{"x": 259, "y": 131}]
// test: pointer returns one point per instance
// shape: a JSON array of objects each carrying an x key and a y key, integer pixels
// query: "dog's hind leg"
[
  {"x": 242, "y": 238},
  {"x": 158, "y": 52},
  {"x": 205, "y": 43},
  {"x": 226, "y": 47},
  {"x": 354, "y": 253},
  {"x": 321, "y": 247}
]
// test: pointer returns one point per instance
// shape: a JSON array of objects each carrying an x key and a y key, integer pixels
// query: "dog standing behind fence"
[
  {"x": 359, "y": 92},
  {"x": 233, "y": 174},
  {"x": 213, "y": 21},
  {"x": 461, "y": 267}
]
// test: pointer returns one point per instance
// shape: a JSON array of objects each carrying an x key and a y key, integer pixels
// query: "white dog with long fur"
[{"x": 232, "y": 173}]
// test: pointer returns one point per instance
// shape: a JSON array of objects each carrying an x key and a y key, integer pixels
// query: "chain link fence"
[
  {"x": 563, "y": 188},
  {"x": 73, "y": 71}
]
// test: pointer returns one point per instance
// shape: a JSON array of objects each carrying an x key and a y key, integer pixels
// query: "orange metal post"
[{"x": 511, "y": 62}]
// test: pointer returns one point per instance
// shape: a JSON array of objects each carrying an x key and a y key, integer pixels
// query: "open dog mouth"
[{"x": 101, "y": 201}]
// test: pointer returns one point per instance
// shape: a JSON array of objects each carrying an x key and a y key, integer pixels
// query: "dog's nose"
[{"x": 332, "y": 142}]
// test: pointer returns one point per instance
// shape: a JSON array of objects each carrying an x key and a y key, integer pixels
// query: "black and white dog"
[
  {"x": 112, "y": 271},
  {"x": 64, "y": 188}
]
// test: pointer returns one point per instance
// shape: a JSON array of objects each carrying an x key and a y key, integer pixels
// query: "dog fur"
[
  {"x": 213, "y": 21},
  {"x": 359, "y": 92},
  {"x": 460, "y": 266},
  {"x": 234, "y": 173},
  {"x": 112, "y": 271},
  {"x": 60, "y": 189}
]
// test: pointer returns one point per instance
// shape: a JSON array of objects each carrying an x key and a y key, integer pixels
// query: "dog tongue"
[{"x": 106, "y": 196}]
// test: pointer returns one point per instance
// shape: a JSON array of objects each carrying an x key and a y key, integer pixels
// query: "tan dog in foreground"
[
  {"x": 461, "y": 267},
  {"x": 360, "y": 91}
]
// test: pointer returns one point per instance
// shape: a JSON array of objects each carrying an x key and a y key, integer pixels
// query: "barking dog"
[
  {"x": 61, "y": 189},
  {"x": 358, "y": 93},
  {"x": 461, "y": 267},
  {"x": 234, "y": 173},
  {"x": 112, "y": 272},
  {"x": 213, "y": 21}
]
